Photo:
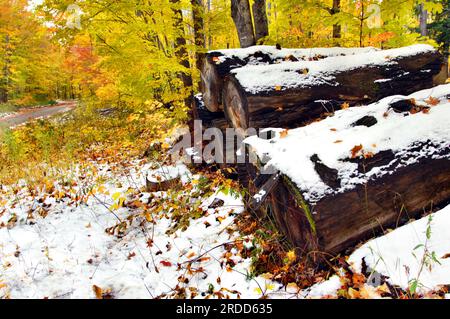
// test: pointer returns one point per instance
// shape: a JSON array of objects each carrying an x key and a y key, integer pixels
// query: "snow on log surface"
[
  {"x": 259, "y": 78},
  {"x": 218, "y": 64},
  {"x": 333, "y": 139},
  {"x": 292, "y": 94},
  {"x": 363, "y": 168}
]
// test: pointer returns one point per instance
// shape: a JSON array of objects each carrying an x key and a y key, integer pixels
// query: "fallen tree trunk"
[
  {"x": 349, "y": 177},
  {"x": 292, "y": 94},
  {"x": 218, "y": 64}
]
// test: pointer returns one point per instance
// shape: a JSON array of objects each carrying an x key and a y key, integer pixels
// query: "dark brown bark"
[
  {"x": 336, "y": 27},
  {"x": 5, "y": 81},
  {"x": 198, "y": 13},
  {"x": 181, "y": 50},
  {"x": 298, "y": 106},
  {"x": 242, "y": 17},
  {"x": 260, "y": 19}
]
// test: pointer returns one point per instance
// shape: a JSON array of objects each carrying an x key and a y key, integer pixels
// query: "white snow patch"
[{"x": 395, "y": 255}]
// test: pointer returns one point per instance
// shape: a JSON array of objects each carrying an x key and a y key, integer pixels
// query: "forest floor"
[{"x": 93, "y": 230}]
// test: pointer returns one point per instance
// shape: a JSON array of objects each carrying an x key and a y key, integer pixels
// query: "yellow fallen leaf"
[{"x": 291, "y": 256}]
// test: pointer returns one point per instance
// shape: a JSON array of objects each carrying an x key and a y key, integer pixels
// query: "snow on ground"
[
  {"x": 62, "y": 241},
  {"x": 399, "y": 255},
  {"x": 260, "y": 78},
  {"x": 333, "y": 139},
  {"x": 6, "y": 114}
]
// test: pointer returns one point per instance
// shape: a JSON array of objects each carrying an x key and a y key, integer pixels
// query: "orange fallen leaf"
[
  {"x": 97, "y": 291},
  {"x": 432, "y": 101},
  {"x": 345, "y": 106},
  {"x": 355, "y": 150},
  {"x": 190, "y": 255},
  {"x": 333, "y": 129},
  {"x": 278, "y": 88},
  {"x": 368, "y": 155},
  {"x": 203, "y": 259},
  {"x": 354, "y": 294},
  {"x": 284, "y": 133},
  {"x": 358, "y": 279}
]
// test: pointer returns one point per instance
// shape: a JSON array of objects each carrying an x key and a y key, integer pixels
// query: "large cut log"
[
  {"x": 291, "y": 94},
  {"x": 218, "y": 64},
  {"x": 348, "y": 177}
]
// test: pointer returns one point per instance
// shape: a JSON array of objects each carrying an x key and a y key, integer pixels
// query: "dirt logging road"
[{"x": 26, "y": 115}]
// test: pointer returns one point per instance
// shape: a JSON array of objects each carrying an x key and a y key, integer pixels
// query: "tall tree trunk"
[
  {"x": 181, "y": 50},
  {"x": 423, "y": 21},
  {"x": 198, "y": 13},
  {"x": 336, "y": 27},
  {"x": 260, "y": 19},
  {"x": 361, "y": 25},
  {"x": 242, "y": 17},
  {"x": 4, "y": 85}
]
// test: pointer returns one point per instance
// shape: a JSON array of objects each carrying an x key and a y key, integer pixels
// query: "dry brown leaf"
[
  {"x": 333, "y": 129},
  {"x": 338, "y": 141}
]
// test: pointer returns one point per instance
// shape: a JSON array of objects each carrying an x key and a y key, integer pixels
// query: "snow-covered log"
[
  {"x": 291, "y": 94},
  {"x": 218, "y": 64},
  {"x": 365, "y": 169}
]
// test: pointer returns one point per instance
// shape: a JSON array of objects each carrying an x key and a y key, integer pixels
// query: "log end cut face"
[
  {"x": 235, "y": 105},
  {"x": 211, "y": 86}
]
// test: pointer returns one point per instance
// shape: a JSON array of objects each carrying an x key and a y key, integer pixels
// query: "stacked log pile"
[{"x": 349, "y": 171}]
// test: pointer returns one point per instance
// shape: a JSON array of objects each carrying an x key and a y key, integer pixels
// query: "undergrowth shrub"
[{"x": 32, "y": 150}]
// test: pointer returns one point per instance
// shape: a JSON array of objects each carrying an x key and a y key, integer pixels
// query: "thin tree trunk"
[
  {"x": 361, "y": 25},
  {"x": 198, "y": 13},
  {"x": 423, "y": 21},
  {"x": 181, "y": 50},
  {"x": 260, "y": 19},
  {"x": 242, "y": 17},
  {"x": 4, "y": 85},
  {"x": 336, "y": 27}
]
